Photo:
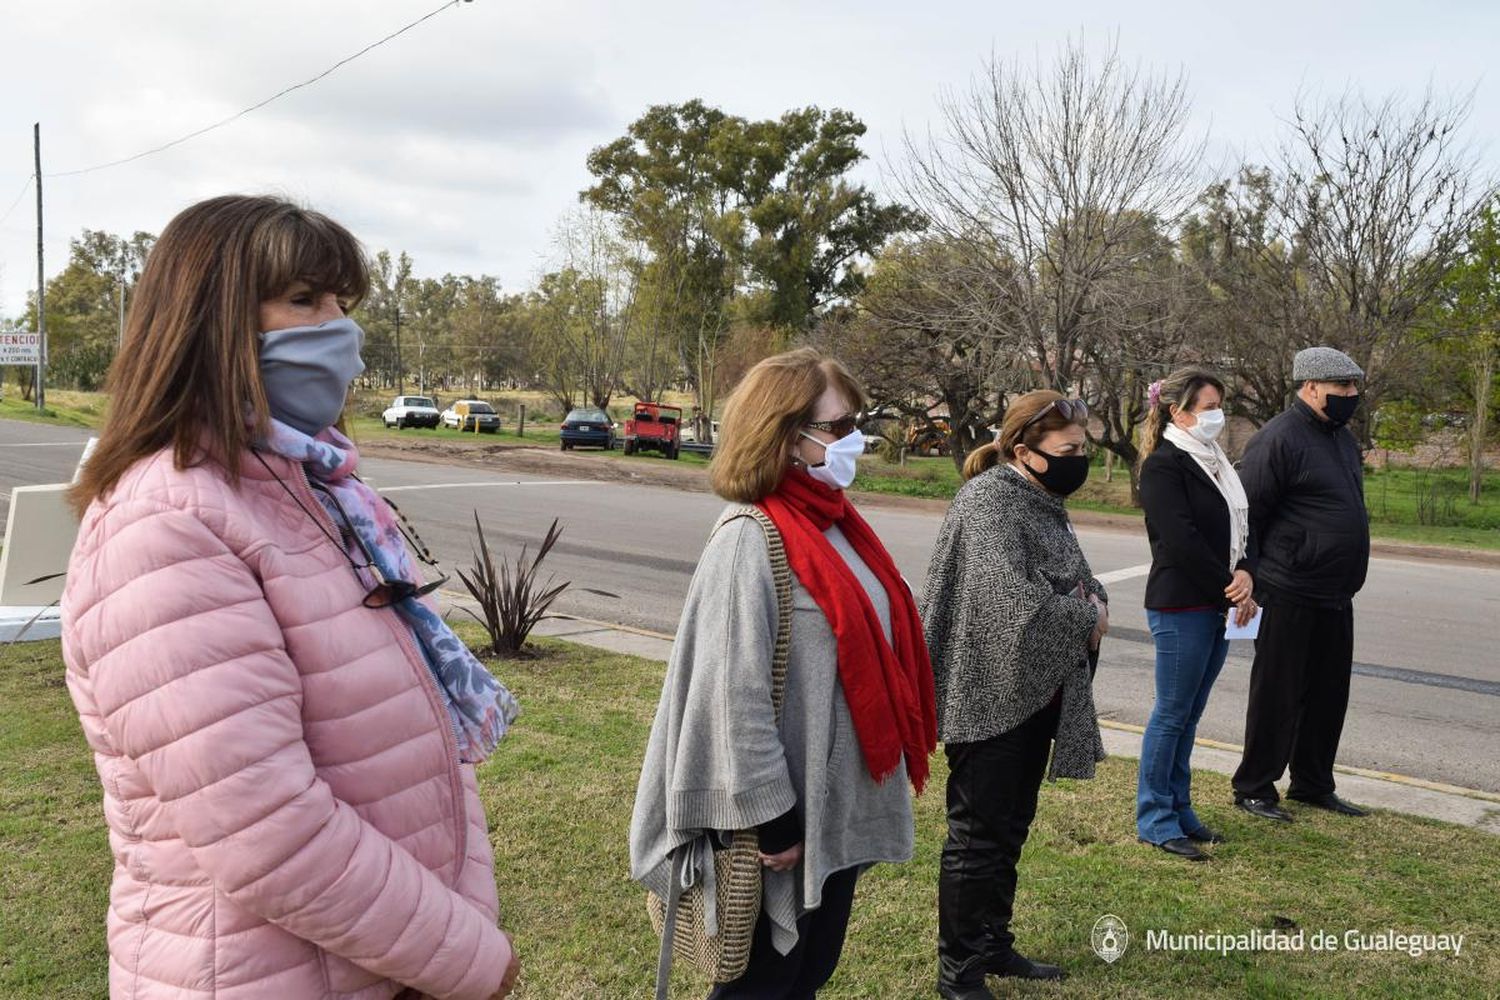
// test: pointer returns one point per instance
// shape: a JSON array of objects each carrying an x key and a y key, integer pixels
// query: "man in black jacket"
[{"x": 1305, "y": 481}]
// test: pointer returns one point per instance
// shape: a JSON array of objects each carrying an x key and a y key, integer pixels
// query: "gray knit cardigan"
[
  {"x": 718, "y": 760},
  {"x": 1006, "y": 625}
]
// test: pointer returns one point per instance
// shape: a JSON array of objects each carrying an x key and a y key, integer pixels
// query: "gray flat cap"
[{"x": 1324, "y": 364}]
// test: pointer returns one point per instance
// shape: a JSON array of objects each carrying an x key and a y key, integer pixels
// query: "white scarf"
[{"x": 1212, "y": 460}]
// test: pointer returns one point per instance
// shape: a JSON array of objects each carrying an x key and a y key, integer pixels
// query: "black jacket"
[
  {"x": 1305, "y": 481},
  {"x": 1187, "y": 520}
]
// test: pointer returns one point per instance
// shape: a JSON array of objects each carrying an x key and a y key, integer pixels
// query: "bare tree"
[
  {"x": 1054, "y": 178},
  {"x": 1251, "y": 301},
  {"x": 923, "y": 337},
  {"x": 1377, "y": 197},
  {"x": 591, "y": 306},
  {"x": 1148, "y": 322}
]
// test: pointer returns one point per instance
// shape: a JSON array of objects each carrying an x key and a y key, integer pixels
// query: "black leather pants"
[{"x": 992, "y": 795}]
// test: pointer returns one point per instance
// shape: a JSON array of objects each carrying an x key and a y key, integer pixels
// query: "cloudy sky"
[{"x": 464, "y": 140}]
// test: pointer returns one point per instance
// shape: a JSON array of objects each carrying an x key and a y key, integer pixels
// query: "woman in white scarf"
[{"x": 1202, "y": 561}]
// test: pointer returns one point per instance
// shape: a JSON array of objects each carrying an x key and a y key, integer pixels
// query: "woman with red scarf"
[{"x": 827, "y": 786}]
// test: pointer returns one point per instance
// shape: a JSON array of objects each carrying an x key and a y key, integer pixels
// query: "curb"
[{"x": 1349, "y": 769}]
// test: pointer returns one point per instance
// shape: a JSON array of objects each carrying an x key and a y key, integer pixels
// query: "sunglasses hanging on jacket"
[{"x": 386, "y": 591}]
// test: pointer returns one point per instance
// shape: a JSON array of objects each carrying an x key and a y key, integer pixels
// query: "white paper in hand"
[{"x": 1247, "y": 631}]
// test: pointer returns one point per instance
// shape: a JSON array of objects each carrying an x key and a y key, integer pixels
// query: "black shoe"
[
  {"x": 1180, "y": 846},
  {"x": 1332, "y": 803},
  {"x": 974, "y": 991},
  {"x": 1264, "y": 808},
  {"x": 1203, "y": 835},
  {"x": 1014, "y": 965}
]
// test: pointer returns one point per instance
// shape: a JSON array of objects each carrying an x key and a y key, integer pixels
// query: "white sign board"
[
  {"x": 18, "y": 347},
  {"x": 39, "y": 535}
]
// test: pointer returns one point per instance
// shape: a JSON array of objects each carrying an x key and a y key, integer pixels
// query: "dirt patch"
[{"x": 536, "y": 460}]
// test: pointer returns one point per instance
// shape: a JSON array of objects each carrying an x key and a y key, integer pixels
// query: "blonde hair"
[
  {"x": 1179, "y": 389},
  {"x": 1014, "y": 430},
  {"x": 764, "y": 415}
]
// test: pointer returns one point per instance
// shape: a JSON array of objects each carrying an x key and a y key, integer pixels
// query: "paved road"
[{"x": 1425, "y": 701}]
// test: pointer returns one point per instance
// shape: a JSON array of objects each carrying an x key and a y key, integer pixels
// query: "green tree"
[
  {"x": 1467, "y": 329},
  {"x": 739, "y": 221},
  {"x": 380, "y": 315},
  {"x": 86, "y": 304},
  {"x": 808, "y": 222}
]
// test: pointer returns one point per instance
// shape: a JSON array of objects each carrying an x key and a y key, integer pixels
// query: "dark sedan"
[{"x": 588, "y": 428}]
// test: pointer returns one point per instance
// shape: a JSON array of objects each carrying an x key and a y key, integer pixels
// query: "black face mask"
[
  {"x": 1064, "y": 475},
  {"x": 1339, "y": 409}
]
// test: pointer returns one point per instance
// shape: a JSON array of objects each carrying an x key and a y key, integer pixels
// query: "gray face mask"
[{"x": 307, "y": 371}]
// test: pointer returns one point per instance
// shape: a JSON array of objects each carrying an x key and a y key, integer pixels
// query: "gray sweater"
[
  {"x": 1005, "y": 621},
  {"x": 716, "y": 759}
]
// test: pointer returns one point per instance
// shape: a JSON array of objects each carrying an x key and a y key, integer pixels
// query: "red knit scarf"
[{"x": 888, "y": 685}]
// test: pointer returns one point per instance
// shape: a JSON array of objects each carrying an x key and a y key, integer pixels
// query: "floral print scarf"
[{"x": 480, "y": 708}]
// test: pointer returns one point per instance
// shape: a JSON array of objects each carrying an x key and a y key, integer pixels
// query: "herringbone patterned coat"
[{"x": 1008, "y": 619}]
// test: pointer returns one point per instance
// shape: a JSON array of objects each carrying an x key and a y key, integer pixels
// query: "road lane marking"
[
  {"x": 458, "y": 486},
  {"x": 1121, "y": 575}
]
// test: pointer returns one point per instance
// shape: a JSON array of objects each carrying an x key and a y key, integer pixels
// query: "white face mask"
[
  {"x": 1209, "y": 426},
  {"x": 839, "y": 459}
]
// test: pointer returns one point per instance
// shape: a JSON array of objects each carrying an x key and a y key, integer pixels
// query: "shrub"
[{"x": 511, "y": 600}]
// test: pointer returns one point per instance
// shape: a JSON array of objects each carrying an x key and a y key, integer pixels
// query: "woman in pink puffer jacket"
[{"x": 284, "y": 729}]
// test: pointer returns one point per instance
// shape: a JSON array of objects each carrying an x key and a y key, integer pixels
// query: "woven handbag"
[{"x": 714, "y": 931}]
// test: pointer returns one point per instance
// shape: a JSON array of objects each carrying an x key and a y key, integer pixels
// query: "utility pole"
[
  {"x": 41, "y": 280},
  {"x": 400, "y": 374},
  {"x": 121, "y": 279}
]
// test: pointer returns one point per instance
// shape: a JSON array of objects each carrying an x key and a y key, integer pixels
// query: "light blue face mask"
[{"x": 307, "y": 371}]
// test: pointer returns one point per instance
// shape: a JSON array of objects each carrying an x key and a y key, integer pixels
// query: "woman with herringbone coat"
[{"x": 1013, "y": 619}]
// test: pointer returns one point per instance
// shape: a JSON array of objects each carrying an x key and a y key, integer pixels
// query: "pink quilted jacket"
[{"x": 286, "y": 808}]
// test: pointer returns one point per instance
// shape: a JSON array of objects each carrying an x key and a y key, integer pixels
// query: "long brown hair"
[
  {"x": 1179, "y": 389},
  {"x": 763, "y": 416},
  {"x": 188, "y": 373},
  {"x": 1014, "y": 430}
]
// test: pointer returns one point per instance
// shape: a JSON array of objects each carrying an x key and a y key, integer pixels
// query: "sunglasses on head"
[
  {"x": 1075, "y": 411},
  {"x": 842, "y": 427}
]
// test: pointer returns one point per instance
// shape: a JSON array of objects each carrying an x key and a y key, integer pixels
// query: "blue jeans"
[{"x": 1190, "y": 652}]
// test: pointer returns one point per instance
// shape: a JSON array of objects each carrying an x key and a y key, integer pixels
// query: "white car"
[
  {"x": 472, "y": 415},
  {"x": 412, "y": 411}
]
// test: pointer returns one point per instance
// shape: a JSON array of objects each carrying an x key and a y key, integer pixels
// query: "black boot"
[
  {"x": 973, "y": 991},
  {"x": 1014, "y": 965}
]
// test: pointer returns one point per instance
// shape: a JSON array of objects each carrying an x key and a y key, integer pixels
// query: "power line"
[
  {"x": 24, "y": 188},
  {"x": 256, "y": 107}
]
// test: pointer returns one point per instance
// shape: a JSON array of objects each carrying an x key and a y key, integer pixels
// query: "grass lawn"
[
  {"x": 1429, "y": 507},
  {"x": 939, "y": 479},
  {"x": 64, "y": 408},
  {"x": 559, "y": 794}
]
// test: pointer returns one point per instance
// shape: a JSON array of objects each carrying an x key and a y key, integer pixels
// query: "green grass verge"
[
  {"x": 1429, "y": 507},
  {"x": 559, "y": 794},
  {"x": 64, "y": 409}
]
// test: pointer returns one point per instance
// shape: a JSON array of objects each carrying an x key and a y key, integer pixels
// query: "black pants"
[
  {"x": 799, "y": 974},
  {"x": 992, "y": 793},
  {"x": 1299, "y": 692}
]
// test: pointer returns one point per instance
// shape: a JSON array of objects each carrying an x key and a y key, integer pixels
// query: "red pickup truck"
[{"x": 654, "y": 427}]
